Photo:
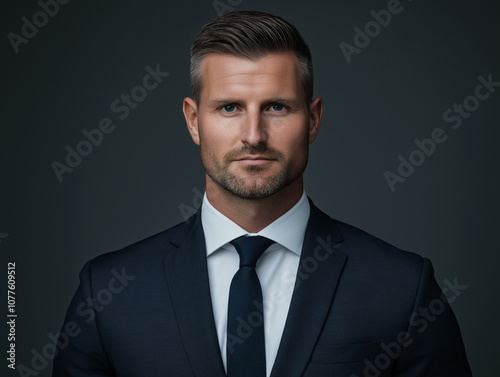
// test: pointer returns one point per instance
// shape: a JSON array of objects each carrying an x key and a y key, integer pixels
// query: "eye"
[
  {"x": 277, "y": 107},
  {"x": 228, "y": 108}
]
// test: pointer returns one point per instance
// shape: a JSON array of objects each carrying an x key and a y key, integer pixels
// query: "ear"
[
  {"x": 315, "y": 114},
  {"x": 190, "y": 110}
]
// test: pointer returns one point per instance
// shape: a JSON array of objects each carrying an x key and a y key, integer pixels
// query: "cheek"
[
  {"x": 215, "y": 137},
  {"x": 292, "y": 140}
]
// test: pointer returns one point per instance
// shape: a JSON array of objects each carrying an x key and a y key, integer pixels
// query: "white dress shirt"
[{"x": 276, "y": 268}]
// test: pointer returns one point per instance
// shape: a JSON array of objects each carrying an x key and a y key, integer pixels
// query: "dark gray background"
[{"x": 136, "y": 182}]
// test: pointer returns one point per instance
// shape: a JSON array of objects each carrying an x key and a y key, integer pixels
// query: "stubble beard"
[{"x": 253, "y": 185}]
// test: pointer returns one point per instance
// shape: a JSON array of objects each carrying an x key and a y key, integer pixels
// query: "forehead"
[{"x": 274, "y": 74}]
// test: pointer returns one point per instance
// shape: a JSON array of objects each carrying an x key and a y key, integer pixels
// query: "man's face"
[{"x": 253, "y": 123}]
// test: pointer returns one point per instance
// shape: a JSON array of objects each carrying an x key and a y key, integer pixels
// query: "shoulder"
[
  {"x": 366, "y": 253},
  {"x": 370, "y": 254},
  {"x": 369, "y": 243},
  {"x": 374, "y": 269},
  {"x": 143, "y": 255}
]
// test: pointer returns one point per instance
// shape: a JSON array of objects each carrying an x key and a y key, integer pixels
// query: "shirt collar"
[{"x": 288, "y": 230}]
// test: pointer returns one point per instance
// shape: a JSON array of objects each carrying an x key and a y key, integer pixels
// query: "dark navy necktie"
[{"x": 246, "y": 353}]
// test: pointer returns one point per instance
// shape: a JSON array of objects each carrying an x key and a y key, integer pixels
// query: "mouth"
[{"x": 254, "y": 160}]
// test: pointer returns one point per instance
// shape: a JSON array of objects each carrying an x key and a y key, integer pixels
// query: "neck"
[{"x": 254, "y": 215}]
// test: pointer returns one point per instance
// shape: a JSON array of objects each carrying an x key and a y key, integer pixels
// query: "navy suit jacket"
[{"x": 360, "y": 307}]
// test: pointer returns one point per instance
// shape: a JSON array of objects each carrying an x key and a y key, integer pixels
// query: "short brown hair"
[{"x": 250, "y": 35}]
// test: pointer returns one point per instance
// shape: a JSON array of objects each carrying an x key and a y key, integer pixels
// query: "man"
[{"x": 259, "y": 282}]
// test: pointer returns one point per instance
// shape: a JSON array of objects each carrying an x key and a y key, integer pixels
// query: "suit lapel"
[
  {"x": 319, "y": 271},
  {"x": 187, "y": 279}
]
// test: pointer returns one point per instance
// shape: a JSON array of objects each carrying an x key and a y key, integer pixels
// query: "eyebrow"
[{"x": 223, "y": 101}]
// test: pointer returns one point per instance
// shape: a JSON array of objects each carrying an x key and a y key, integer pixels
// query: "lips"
[
  {"x": 252, "y": 157},
  {"x": 254, "y": 160}
]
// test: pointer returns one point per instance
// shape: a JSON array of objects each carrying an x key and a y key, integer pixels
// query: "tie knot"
[{"x": 251, "y": 248}]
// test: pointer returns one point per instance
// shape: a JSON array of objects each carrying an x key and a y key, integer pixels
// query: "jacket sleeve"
[
  {"x": 434, "y": 345},
  {"x": 80, "y": 352}
]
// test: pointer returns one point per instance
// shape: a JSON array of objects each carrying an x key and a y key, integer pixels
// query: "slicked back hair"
[{"x": 250, "y": 35}]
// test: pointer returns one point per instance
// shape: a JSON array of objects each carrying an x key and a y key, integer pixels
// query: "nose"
[{"x": 254, "y": 129}]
